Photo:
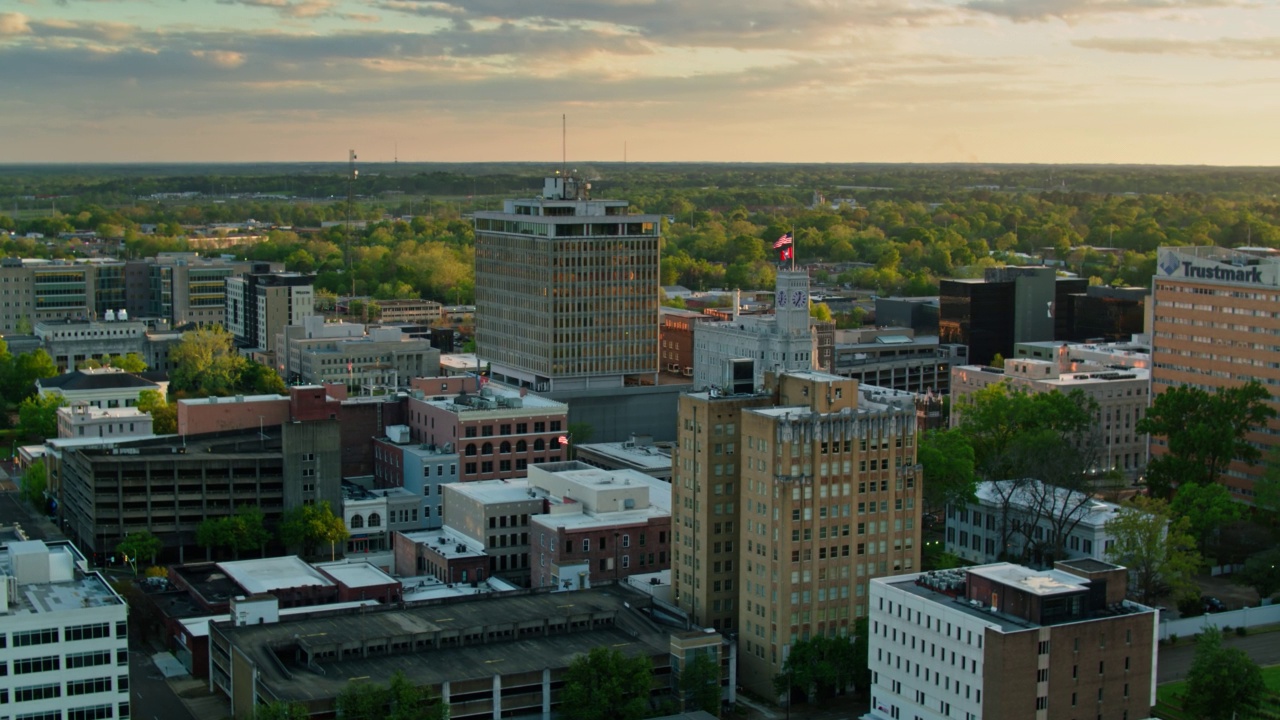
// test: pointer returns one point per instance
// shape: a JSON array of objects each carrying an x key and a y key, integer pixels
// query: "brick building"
[{"x": 1006, "y": 641}]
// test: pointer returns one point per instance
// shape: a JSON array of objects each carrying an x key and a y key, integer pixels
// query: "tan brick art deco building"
[{"x": 785, "y": 503}]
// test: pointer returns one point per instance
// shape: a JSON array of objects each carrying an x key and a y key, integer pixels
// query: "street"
[
  {"x": 151, "y": 698},
  {"x": 1175, "y": 662}
]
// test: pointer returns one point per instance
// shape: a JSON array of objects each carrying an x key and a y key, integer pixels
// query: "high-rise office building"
[
  {"x": 785, "y": 503},
  {"x": 261, "y": 305},
  {"x": 1215, "y": 318},
  {"x": 1007, "y": 305},
  {"x": 567, "y": 291}
]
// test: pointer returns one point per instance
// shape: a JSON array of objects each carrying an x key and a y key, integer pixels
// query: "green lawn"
[{"x": 1168, "y": 707}]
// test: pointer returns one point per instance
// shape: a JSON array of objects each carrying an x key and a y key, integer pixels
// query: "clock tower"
[{"x": 792, "y": 302}]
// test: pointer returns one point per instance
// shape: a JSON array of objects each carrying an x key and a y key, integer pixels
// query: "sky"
[{"x": 991, "y": 81}]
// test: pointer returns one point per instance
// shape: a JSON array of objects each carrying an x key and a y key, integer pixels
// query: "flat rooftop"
[
  {"x": 637, "y": 636},
  {"x": 996, "y": 620},
  {"x": 496, "y": 491},
  {"x": 449, "y": 543},
  {"x": 70, "y": 588},
  {"x": 1043, "y": 583},
  {"x": 199, "y": 626},
  {"x": 356, "y": 574},
  {"x": 650, "y": 457},
  {"x": 264, "y": 575}
]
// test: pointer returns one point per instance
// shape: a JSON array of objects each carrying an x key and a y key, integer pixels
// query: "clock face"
[
  {"x": 782, "y": 299},
  {"x": 800, "y": 299}
]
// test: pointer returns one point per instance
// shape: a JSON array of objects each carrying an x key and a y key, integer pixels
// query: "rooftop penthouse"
[{"x": 49, "y": 578}]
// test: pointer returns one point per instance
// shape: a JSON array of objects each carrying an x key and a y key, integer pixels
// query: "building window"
[{"x": 357, "y": 522}]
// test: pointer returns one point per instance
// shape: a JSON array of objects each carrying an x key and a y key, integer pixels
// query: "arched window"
[
  {"x": 539, "y": 444},
  {"x": 471, "y": 449},
  {"x": 486, "y": 449},
  {"x": 505, "y": 447},
  {"x": 375, "y": 520},
  {"x": 357, "y": 521},
  {"x": 521, "y": 446}
]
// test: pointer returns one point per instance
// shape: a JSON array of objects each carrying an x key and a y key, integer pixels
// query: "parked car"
[{"x": 1212, "y": 604}]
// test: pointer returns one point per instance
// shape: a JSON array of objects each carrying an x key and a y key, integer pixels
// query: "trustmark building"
[{"x": 1216, "y": 323}]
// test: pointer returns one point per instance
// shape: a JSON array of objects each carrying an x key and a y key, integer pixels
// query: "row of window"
[{"x": 505, "y": 429}]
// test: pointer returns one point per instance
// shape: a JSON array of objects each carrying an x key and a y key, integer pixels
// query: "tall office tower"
[
  {"x": 778, "y": 343},
  {"x": 1008, "y": 305},
  {"x": 261, "y": 305},
  {"x": 1215, "y": 318},
  {"x": 567, "y": 291},
  {"x": 785, "y": 504}
]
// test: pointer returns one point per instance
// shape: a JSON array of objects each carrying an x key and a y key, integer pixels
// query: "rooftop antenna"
[
  {"x": 396, "y": 153},
  {"x": 352, "y": 174},
  {"x": 564, "y": 133}
]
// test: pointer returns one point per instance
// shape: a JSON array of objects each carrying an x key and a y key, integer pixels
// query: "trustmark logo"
[{"x": 1169, "y": 263}]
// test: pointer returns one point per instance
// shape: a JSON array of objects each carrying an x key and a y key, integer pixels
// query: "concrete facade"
[
  {"x": 894, "y": 357},
  {"x": 494, "y": 515},
  {"x": 351, "y": 354},
  {"x": 66, "y": 630},
  {"x": 567, "y": 291}
]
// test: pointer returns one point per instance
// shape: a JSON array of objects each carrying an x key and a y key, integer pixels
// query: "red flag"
[{"x": 787, "y": 253}]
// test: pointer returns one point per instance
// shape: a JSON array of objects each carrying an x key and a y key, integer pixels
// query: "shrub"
[
  {"x": 1173, "y": 638},
  {"x": 1242, "y": 631}
]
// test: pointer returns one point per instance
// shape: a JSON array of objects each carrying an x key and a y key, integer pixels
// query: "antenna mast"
[
  {"x": 564, "y": 134},
  {"x": 352, "y": 174}
]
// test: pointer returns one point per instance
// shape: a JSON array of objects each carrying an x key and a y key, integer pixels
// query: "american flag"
[{"x": 784, "y": 240}]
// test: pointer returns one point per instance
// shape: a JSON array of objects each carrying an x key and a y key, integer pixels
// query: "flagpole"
[{"x": 793, "y": 248}]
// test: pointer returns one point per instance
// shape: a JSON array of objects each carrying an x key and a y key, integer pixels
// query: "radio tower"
[{"x": 352, "y": 174}]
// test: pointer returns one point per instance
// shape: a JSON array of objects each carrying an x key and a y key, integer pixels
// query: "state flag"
[{"x": 787, "y": 253}]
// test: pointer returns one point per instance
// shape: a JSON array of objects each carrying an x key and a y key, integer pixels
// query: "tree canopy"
[
  {"x": 1224, "y": 683},
  {"x": 164, "y": 415},
  {"x": 1157, "y": 546},
  {"x": 948, "y": 462},
  {"x": 820, "y": 667},
  {"x": 1202, "y": 432},
  {"x": 399, "y": 699},
  {"x": 206, "y": 363},
  {"x": 607, "y": 685},
  {"x": 38, "y": 415},
  {"x": 140, "y": 544},
  {"x": 310, "y": 525},
  {"x": 244, "y": 530}
]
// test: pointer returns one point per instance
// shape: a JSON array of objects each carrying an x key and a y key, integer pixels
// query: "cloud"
[
  {"x": 220, "y": 58},
  {"x": 1075, "y": 10},
  {"x": 740, "y": 24},
  {"x": 14, "y": 24},
  {"x": 298, "y": 9},
  {"x": 1227, "y": 48}
]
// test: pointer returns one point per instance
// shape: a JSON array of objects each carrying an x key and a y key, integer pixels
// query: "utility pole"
[{"x": 352, "y": 174}]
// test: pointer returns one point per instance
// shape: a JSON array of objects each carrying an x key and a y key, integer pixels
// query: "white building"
[
  {"x": 317, "y": 352},
  {"x": 1016, "y": 518},
  {"x": 66, "y": 634},
  {"x": 781, "y": 342},
  {"x": 981, "y": 642},
  {"x": 100, "y": 387},
  {"x": 84, "y": 420}
]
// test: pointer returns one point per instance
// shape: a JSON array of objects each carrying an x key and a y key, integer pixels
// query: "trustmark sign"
[{"x": 1233, "y": 268}]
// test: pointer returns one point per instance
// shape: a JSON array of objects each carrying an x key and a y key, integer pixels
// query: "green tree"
[
  {"x": 38, "y": 416},
  {"x": 947, "y": 458},
  {"x": 130, "y": 363},
  {"x": 700, "y": 684},
  {"x": 164, "y": 415},
  {"x": 1207, "y": 508},
  {"x": 1203, "y": 432},
  {"x": 607, "y": 685},
  {"x": 280, "y": 710},
  {"x": 258, "y": 379},
  {"x": 35, "y": 480},
  {"x": 400, "y": 699},
  {"x": 206, "y": 363},
  {"x": 862, "y": 657},
  {"x": 819, "y": 667},
  {"x": 309, "y": 525},
  {"x": 820, "y": 312},
  {"x": 140, "y": 544},
  {"x": 1223, "y": 683},
  {"x": 1157, "y": 547},
  {"x": 1262, "y": 572}
]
